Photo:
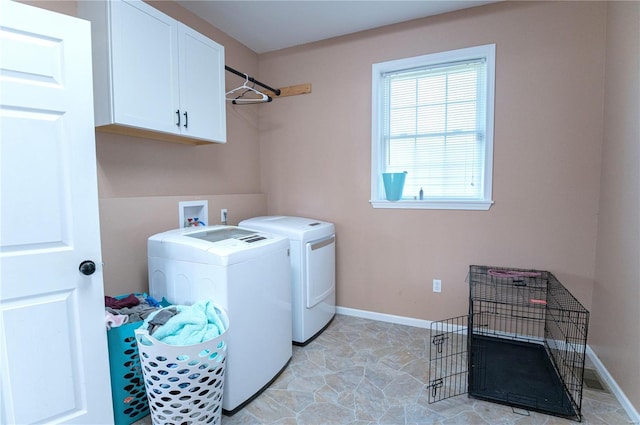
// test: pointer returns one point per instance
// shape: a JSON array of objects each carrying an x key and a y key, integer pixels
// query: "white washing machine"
[
  {"x": 247, "y": 273},
  {"x": 313, "y": 275}
]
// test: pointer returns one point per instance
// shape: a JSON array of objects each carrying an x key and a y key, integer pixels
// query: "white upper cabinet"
[{"x": 154, "y": 77}]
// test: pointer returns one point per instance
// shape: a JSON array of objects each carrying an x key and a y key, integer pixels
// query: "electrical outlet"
[
  {"x": 223, "y": 216},
  {"x": 437, "y": 285}
]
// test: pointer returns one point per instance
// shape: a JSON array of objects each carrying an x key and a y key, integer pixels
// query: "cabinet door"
[
  {"x": 201, "y": 86},
  {"x": 144, "y": 66}
]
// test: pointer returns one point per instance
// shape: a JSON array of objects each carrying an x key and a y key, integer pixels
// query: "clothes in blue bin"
[
  {"x": 192, "y": 324},
  {"x": 114, "y": 320},
  {"x": 117, "y": 303},
  {"x": 130, "y": 309}
]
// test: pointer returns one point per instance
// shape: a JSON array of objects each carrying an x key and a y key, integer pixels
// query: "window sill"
[{"x": 433, "y": 205}]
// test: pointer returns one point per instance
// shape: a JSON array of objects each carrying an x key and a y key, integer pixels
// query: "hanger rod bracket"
[{"x": 293, "y": 90}]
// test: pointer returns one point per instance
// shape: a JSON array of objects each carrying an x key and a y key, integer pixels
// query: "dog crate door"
[{"x": 448, "y": 359}]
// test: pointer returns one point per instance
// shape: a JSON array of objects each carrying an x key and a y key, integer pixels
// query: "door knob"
[{"x": 87, "y": 267}]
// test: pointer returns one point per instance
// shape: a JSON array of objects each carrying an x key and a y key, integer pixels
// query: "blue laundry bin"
[
  {"x": 127, "y": 384},
  {"x": 393, "y": 185}
]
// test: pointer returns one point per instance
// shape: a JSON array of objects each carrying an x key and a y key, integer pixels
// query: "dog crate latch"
[
  {"x": 434, "y": 385},
  {"x": 438, "y": 341}
]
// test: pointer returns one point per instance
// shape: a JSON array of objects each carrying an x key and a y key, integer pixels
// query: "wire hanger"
[{"x": 242, "y": 100}]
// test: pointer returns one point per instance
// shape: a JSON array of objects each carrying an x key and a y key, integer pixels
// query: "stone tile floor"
[{"x": 364, "y": 372}]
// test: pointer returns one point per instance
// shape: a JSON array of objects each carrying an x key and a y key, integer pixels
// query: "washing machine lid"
[
  {"x": 295, "y": 228},
  {"x": 216, "y": 234},
  {"x": 217, "y": 245}
]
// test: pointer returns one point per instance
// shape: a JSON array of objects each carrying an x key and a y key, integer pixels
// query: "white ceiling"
[{"x": 265, "y": 25}]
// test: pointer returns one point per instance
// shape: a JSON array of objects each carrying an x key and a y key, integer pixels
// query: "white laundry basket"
[{"x": 184, "y": 383}]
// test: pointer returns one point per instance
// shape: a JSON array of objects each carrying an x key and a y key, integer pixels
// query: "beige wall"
[
  {"x": 316, "y": 149},
  {"x": 615, "y": 319},
  {"x": 129, "y": 166},
  {"x": 124, "y": 240},
  {"x": 141, "y": 181},
  {"x": 310, "y": 156}
]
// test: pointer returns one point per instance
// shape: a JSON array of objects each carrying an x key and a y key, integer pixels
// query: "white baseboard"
[
  {"x": 613, "y": 386},
  {"x": 382, "y": 317},
  {"x": 420, "y": 323}
]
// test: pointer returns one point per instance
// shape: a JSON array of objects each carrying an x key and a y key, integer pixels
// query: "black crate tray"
[{"x": 519, "y": 374}]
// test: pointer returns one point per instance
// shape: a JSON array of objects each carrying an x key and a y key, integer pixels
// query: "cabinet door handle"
[
  {"x": 186, "y": 120},
  {"x": 178, "y": 114}
]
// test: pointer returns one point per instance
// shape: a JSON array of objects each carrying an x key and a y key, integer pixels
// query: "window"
[{"x": 433, "y": 118}]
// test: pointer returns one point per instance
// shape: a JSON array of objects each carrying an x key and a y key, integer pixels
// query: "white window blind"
[{"x": 433, "y": 125}]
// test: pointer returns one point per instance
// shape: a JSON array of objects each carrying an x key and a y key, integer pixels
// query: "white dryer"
[
  {"x": 247, "y": 273},
  {"x": 313, "y": 276}
]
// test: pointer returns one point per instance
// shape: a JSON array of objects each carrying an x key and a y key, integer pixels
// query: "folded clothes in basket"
[{"x": 193, "y": 324}]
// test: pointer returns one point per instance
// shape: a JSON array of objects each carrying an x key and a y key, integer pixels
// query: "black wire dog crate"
[{"x": 522, "y": 344}]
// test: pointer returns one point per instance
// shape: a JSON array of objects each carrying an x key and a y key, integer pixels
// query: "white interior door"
[{"x": 53, "y": 349}]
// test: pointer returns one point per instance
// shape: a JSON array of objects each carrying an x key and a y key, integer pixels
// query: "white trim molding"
[
  {"x": 613, "y": 386},
  {"x": 484, "y": 122},
  {"x": 382, "y": 317}
]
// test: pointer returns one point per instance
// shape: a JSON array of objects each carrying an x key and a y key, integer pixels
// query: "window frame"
[{"x": 377, "y": 200}]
